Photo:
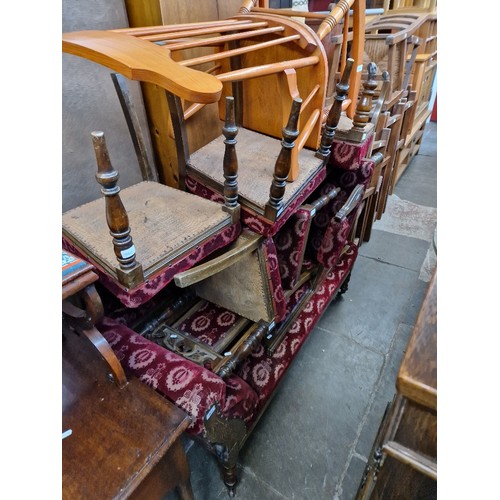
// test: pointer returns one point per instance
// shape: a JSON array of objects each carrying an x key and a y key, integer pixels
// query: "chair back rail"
[{"x": 263, "y": 58}]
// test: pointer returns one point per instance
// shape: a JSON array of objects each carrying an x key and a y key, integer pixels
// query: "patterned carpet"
[{"x": 415, "y": 221}]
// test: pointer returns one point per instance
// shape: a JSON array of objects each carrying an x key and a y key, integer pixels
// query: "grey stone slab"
[
  {"x": 206, "y": 479},
  {"x": 385, "y": 390},
  {"x": 352, "y": 480},
  {"x": 252, "y": 487},
  {"x": 412, "y": 308},
  {"x": 395, "y": 249},
  {"x": 419, "y": 181},
  {"x": 302, "y": 442},
  {"x": 428, "y": 146},
  {"x": 369, "y": 312}
]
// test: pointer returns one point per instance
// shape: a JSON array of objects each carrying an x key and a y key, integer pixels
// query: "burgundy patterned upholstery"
[
  {"x": 347, "y": 180},
  {"x": 263, "y": 372},
  {"x": 333, "y": 242},
  {"x": 252, "y": 220},
  {"x": 275, "y": 285},
  {"x": 348, "y": 155},
  {"x": 188, "y": 385},
  {"x": 209, "y": 324},
  {"x": 290, "y": 242},
  {"x": 144, "y": 292},
  {"x": 194, "y": 388}
]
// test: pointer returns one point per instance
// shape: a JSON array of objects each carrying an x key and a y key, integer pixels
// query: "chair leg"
[
  {"x": 345, "y": 285},
  {"x": 226, "y": 436},
  {"x": 230, "y": 475}
]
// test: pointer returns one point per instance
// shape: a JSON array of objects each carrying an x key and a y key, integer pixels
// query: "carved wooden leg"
[
  {"x": 226, "y": 436},
  {"x": 230, "y": 479}
]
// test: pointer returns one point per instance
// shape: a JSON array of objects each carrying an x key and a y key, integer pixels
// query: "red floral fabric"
[
  {"x": 348, "y": 155},
  {"x": 186, "y": 384},
  {"x": 333, "y": 242},
  {"x": 194, "y": 388},
  {"x": 254, "y": 221},
  {"x": 262, "y": 371},
  {"x": 147, "y": 290},
  {"x": 290, "y": 243},
  {"x": 275, "y": 279},
  {"x": 347, "y": 180},
  {"x": 209, "y": 324}
]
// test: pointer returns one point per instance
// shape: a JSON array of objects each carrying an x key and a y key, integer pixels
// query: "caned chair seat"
[{"x": 167, "y": 225}]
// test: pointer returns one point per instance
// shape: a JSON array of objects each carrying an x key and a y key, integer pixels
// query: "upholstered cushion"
[
  {"x": 188, "y": 385},
  {"x": 346, "y": 180},
  {"x": 210, "y": 324}
]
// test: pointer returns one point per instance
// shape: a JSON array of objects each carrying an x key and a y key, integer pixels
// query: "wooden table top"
[
  {"x": 417, "y": 378},
  {"x": 117, "y": 435}
]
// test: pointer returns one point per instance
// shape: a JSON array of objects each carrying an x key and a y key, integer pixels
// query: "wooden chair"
[
  {"x": 265, "y": 60},
  {"x": 156, "y": 230},
  {"x": 391, "y": 43},
  {"x": 378, "y": 153}
]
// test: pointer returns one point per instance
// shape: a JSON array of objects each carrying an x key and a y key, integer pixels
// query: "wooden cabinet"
[{"x": 403, "y": 462}]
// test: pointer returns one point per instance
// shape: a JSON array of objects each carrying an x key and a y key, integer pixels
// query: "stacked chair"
[{"x": 211, "y": 287}]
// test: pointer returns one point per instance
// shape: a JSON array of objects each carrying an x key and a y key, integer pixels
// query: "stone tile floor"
[{"x": 314, "y": 439}]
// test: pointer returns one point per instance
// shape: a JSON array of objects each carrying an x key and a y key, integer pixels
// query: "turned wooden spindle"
[
  {"x": 246, "y": 7},
  {"x": 337, "y": 13},
  {"x": 116, "y": 215},
  {"x": 324, "y": 200},
  {"x": 230, "y": 162},
  {"x": 243, "y": 351},
  {"x": 364, "y": 106},
  {"x": 283, "y": 162},
  {"x": 333, "y": 118}
]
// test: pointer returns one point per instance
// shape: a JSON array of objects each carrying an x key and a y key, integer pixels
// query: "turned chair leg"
[
  {"x": 345, "y": 285},
  {"x": 230, "y": 476}
]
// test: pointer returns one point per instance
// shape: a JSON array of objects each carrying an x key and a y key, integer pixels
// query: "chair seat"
[
  {"x": 166, "y": 224},
  {"x": 257, "y": 154}
]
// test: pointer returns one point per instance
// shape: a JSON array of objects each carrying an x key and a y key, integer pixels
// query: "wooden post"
[
  {"x": 130, "y": 271},
  {"x": 334, "y": 114},
  {"x": 283, "y": 163},
  {"x": 364, "y": 107},
  {"x": 230, "y": 162}
]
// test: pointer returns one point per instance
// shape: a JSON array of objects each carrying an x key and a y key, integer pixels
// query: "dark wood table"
[{"x": 120, "y": 438}]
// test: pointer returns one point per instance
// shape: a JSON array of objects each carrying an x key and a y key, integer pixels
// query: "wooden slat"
[
  {"x": 291, "y": 13},
  {"x": 220, "y": 40},
  {"x": 267, "y": 69},
  {"x": 415, "y": 460},
  {"x": 202, "y": 31},
  {"x": 174, "y": 28},
  {"x": 241, "y": 50}
]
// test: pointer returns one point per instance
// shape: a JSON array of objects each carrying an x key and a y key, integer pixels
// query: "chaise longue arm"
[{"x": 188, "y": 385}]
